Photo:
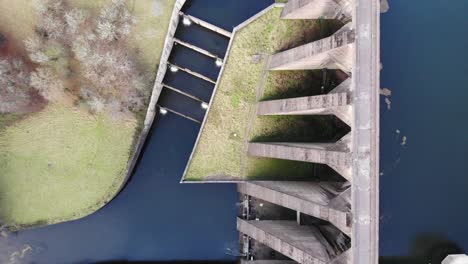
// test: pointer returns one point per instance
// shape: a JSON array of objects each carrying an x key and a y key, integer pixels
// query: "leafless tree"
[
  {"x": 107, "y": 76},
  {"x": 14, "y": 85},
  {"x": 47, "y": 83}
]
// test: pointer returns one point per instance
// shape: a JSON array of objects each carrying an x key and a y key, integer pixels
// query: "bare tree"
[
  {"x": 47, "y": 83},
  {"x": 115, "y": 21},
  {"x": 107, "y": 76},
  {"x": 15, "y": 92}
]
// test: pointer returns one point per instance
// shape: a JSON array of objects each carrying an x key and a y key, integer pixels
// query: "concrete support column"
[
  {"x": 337, "y": 102},
  {"x": 335, "y": 155},
  {"x": 304, "y": 244},
  {"x": 315, "y": 9},
  {"x": 308, "y": 105},
  {"x": 322, "y": 200},
  {"x": 334, "y": 52}
]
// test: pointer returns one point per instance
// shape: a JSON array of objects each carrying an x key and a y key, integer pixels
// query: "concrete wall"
[
  {"x": 337, "y": 156},
  {"x": 151, "y": 112},
  {"x": 303, "y": 244},
  {"x": 333, "y": 52},
  {"x": 314, "y": 9},
  {"x": 319, "y": 104},
  {"x": 310, "y": 198},
  {"x": 365, "y": 135}
]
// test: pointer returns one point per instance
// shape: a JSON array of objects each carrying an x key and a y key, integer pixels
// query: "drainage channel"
[{"x": 193, "y": 68}]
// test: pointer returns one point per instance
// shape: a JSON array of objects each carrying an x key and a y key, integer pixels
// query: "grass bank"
[
  {"x": 63, "y": 163},
  {"x": 231, "y": 121}
]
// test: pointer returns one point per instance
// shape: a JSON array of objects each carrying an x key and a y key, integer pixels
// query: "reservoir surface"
[{"x": 424, "y": 180}]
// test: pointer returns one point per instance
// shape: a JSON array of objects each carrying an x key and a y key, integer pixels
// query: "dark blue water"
[
  {"x": 203, "y": 38},
  {"x": 188, "y": 58},
  {"x": 182, "y": 104},
  {"x": 424, "y": 186},
  {"x": 155, "y": 217},
  {"x": 190, "y": 84}
]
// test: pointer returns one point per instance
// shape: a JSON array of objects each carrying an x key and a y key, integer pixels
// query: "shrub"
[
  {"x": 15, "y": 92},
  {"x": 106, "y": 69}
]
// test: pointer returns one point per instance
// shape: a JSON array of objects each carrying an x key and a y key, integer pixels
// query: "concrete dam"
[
  {"x": 350, "y": 208},
  {"x": 335, "y": 222},
  {"x": 309, "y": 222}
]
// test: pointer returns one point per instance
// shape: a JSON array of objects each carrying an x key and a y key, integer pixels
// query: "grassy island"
[
  {"x": 231, "y": 123},
  {"x": 65, "y": 149}
]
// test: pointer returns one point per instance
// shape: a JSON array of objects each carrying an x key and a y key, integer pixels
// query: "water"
[
  {"x": 424, "y": 183},
  {"x": 155, "y": 217},
  {"x": 198, "y": 87}
]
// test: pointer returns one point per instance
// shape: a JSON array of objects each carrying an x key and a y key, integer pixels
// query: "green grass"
[
  {"x": 220, "y": 152},
  {"x": 61, "y": 164}
]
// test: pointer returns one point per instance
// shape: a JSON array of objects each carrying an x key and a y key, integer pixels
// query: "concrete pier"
[
  {"x": 323, "y": 200},
  {"x": 309, "y": 105},
  {"x": 315, "y": 9},
  {"x": 196, "y": 74},
  {"x": 183, "y": 93},
  {"x": 334, "y": 52},
  {"x": 335, "y": 155},
  {"x": 180, "y": 114},
  {"x": 208, "y": 25},
  {"x": 304, "y": 244},
  {"x": 195, "y": 48}
]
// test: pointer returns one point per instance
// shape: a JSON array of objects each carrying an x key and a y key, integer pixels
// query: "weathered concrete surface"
[
  {"x": 208, "y": 25},
  {"x": 195, "y": 48},
  {"x": 365, "y": 133},
  {"x": 314, "y": 9},
  {"x": 335, "y": 101},
  {"x": 321, "y": 200},
  {"x": 156, "y": 92},
  {"x": 309, "y": 105},
  {"x": 335, "y": 155},
  {"x": 304, "y": 244},
  {"x": 334, "y": 52}
]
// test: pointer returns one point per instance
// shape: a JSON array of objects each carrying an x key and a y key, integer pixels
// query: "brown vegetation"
[
  {"x": 85, "y": 57},
  {"x": 77, "y": 57},
  {"x": 16, "y": 95}
]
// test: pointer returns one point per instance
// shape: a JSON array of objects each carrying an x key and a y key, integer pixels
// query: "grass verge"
[
  {"x": 221, "y": 148},
  {"x": 62, "y": 163}
]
